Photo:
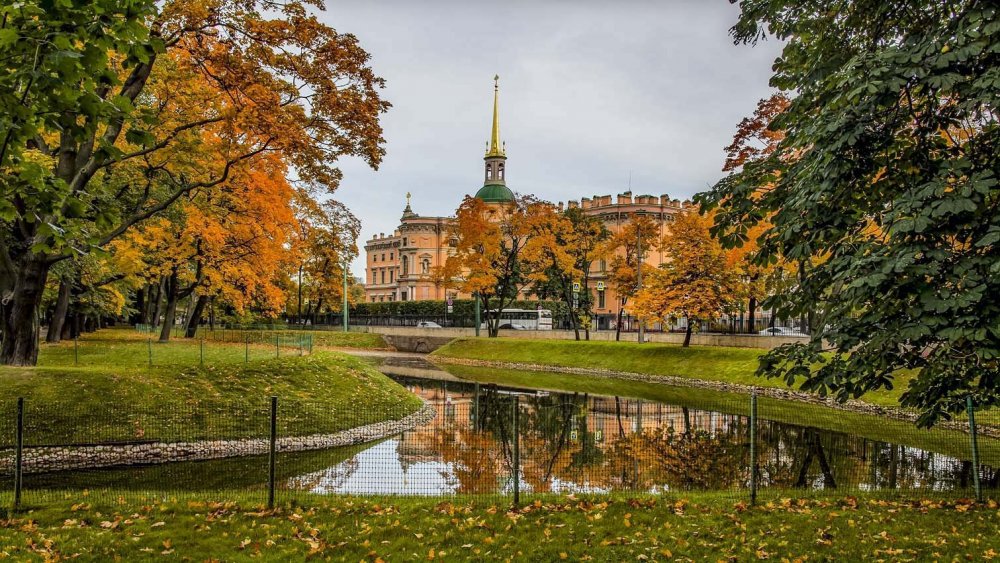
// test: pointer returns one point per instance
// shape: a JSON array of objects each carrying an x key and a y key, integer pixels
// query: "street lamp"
[{"x": 345, "y": 309}]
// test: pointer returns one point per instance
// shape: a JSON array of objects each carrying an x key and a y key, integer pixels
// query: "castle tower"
[{"x": 495, "y": 188}]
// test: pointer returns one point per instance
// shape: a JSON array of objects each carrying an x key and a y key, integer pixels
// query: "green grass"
[
  {"x": 940, "y": 440},
  {"x": 114, "y": 395},
  {"x": 321, "y": 338},
  {"x": 693, "y": 528},
  {"x": 710, "y": 363}
]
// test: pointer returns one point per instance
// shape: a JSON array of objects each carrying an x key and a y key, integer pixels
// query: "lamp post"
[
  {"x": 345, "y": 310},
  {"x": 638, "y": 275},
  {"x": 298, "y": 313}
]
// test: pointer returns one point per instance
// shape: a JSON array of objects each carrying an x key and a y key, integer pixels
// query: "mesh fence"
[{"x": 471, "y": 439}]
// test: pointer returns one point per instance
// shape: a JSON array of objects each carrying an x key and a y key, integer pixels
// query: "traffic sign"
[
  {"x": 576, "y": 287},
  {"x": 600, "y": 286}
]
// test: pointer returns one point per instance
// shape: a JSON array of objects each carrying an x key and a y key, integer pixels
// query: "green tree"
[{"x": 886, "y": 181}]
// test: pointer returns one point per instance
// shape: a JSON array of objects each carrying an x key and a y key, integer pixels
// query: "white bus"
[{"x": 524, "y": 319}]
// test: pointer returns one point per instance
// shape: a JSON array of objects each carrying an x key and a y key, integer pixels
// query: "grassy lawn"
[
  {"x": 549, "y": 529},
  {"x": 940, "y": 440},
  {"x": 320, "y": 338},
  {"x": 112, "y": 394},
  {"x": 713, "y": 363}
]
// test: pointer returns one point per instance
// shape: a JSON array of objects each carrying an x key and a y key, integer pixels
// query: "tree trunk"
[
  {"x": 160, "y": 290},
  {"x": 211, "y": 314},
  {"x": 77, "y": 324},
  {"x": 55, "y": 331},
  {"x": 170, "y": 285},
  {"x": 151, "y": 297},
  {"x": 140, "y": 306},
  {"x": 20, "y": 312},
  {"x": 752, "y": 315},
  {"x": 687, "y": 334},
  {"x": 195, "y": 318}
]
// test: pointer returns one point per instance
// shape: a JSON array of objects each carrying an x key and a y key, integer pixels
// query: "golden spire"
[{"x": 495, "y": 148}]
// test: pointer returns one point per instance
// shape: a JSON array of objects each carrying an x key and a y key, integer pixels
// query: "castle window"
[
  {"x": 383, "y": 276},
  {"x": 501, "y": 171},
  {"x": 392, "y": 273},
  {"x": 404, "y": 241},
  {"x": 489, "y": 172},
  {"x": 390, "y": 256},
  {"x": 406, "y": 267}
]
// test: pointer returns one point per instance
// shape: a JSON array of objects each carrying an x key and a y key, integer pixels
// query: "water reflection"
[{"x": 575, "y": 442}]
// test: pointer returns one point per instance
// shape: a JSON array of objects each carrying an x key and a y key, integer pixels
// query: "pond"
[{"x": 576, "y": 442}]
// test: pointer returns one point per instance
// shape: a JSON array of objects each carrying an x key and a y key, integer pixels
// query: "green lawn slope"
[
  {"x": 710, "y": 363},
  {"x": 103, "y": 389}
]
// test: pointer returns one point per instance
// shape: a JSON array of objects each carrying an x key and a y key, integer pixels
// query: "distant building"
[{"x": 399, "y": 265}]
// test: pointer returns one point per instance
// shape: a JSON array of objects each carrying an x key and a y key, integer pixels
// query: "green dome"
[{"x": 495, "y": 193}]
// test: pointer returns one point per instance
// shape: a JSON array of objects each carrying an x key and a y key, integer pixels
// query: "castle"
[{"x": 399, "y": 265}]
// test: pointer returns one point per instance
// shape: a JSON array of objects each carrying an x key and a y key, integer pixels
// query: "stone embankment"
[
  {"x": 771, "y": 392},
  {"x": 62, "y": 458}
]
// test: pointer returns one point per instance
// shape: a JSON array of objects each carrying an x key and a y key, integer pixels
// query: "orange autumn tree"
[
  {"x": 108, "y": 125},
  {"x": 488, "y": 262},
  {"x": 562, "y": 249},
  {"x": 327, "y": 241},
  {"x": 694, "y": 282},
  {"x": 755, "y": 140},
  {"x": 233, "y": 243},
  {"x": 629, "y": 247}
]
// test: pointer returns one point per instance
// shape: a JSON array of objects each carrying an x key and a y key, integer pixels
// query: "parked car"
[
  {"x": 509, "y": 326},
  {"x": 780, "y": 331},
  {"x": 428, "y": 324}
]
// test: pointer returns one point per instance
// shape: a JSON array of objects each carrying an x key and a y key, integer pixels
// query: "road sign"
[
  {"x": 576, "y": 287},
  {"x": 451, "y": 309},
  {"x": 600, "y": 286},
  {"x": 450, "y": 301}
]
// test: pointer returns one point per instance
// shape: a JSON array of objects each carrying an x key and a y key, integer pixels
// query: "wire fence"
[
  {"x": 484, "y": 440},
  {"x": 281, "y": 342}
]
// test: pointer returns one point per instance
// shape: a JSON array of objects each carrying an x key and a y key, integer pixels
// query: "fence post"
[
  {"x": 76, "y": 350},
  {"x": 300, "y": 343},
  {"x": 517, "y": 451},
  {"x": 975, "y": 448},
  {"x": 149, "y": 348},
  {"x": 753, "y": 447},
  {"x": 201, "y": 352},
  {"x": 273, "y": 447},
  {"x": 277, "y": 353},
  {"x": 19, "y": 454}
]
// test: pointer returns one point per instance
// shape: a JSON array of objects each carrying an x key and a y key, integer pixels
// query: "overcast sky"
[{"x": 589, "y": 93}]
